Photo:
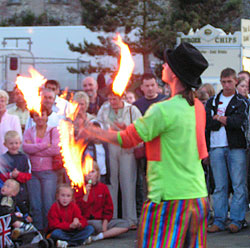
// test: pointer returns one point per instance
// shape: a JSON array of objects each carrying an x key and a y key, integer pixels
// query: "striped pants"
[{"x": 174, "y": 223}]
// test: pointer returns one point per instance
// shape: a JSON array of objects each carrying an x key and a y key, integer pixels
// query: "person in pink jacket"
[{"x": 40, "y": 143}]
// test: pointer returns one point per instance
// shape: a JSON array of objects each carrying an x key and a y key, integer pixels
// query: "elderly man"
[{"x": 90, "y": 86}]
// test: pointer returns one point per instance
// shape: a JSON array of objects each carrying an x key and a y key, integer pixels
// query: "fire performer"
[{"x": 175, "y": 214}]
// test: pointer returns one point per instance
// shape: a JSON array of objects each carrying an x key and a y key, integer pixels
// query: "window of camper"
[{"x": 13, "y": 63}]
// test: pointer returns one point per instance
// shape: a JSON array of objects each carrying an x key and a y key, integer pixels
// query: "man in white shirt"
[{"x": 227, "y": 115}]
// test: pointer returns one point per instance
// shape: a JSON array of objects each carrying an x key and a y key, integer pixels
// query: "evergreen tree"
[
  {"x": 156, "y": 24},
  {"x": 138, "y": 16}
]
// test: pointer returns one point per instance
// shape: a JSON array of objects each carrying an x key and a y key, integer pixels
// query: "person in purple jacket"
[{"x": 40, "y": 143}]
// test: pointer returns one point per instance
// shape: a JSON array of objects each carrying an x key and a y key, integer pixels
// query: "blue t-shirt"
[{"x": 143, "y": 104}]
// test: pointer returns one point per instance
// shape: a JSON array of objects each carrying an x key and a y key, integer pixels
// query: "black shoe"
[{"x": 244, "y": 223}]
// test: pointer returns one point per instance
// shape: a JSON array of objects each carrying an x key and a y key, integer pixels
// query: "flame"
[
  {"x": 64, "y": 93},
  {"x": 72, "y": 150},
  {"x": 30, "y": 87},
  {"x": 126, "y": 68},
  {"x": 88, "y": 164},
  {"x": 67, "y": 109}
]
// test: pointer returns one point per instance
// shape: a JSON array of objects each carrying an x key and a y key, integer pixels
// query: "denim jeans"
[
  {"x": 74, "y": 238},
  {"x": 42, "y": 191},
  {"x": 227, "y": 162}
]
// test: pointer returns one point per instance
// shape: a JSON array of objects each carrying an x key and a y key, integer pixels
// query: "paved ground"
[{"x": 216, "y": 240}]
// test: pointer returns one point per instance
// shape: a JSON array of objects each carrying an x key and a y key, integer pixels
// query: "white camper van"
[{"x": 45, "y": 48}]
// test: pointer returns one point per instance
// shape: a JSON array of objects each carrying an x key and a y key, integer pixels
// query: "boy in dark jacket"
[{"x": 17, "y": 165}]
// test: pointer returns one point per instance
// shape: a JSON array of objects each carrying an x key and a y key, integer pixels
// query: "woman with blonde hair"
[
  {"x": 82, "y": 99},
  {"x": 208, "y": 88}
]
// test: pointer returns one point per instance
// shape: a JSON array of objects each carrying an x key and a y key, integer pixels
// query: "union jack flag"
[{"x": 5, "y": 231}]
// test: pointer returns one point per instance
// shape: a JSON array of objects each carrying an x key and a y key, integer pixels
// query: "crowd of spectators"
[{"x": 29, "y": 141}]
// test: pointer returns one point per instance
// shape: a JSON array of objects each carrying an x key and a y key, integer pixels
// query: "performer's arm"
[
  {"x": 98, "y": 133},
  {"x": 126, "y": 138}
]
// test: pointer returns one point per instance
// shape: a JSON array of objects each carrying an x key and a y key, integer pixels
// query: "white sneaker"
[
  {"x": 88, "y": 241},
  {"x": 61, "y": 244}
]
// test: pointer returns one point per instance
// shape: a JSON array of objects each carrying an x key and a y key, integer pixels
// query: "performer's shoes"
[
  {"x": 233, "y": 228},
  {"x": 213, "y": 229}
]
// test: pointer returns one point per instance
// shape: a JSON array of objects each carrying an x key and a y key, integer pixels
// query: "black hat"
[{"x": 187, "y": 63}]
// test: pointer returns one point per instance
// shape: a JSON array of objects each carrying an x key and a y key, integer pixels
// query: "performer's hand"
[
  {"x": 28, "y": 141},
  {"x": 90, "y": 132},
  {"x": 105, "y": 225}
]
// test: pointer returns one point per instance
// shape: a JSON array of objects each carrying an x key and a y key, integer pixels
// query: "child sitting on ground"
[
  {"x": 66, "y": 224},
  {"x": 19, "y": 220},
  {"x": 17, "y": 165},
  {"x": 97, "y": 206}
]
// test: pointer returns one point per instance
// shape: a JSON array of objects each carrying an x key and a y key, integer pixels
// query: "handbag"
[
  {"x": 57, "y": 161},
  {"x": 139, "y": 151}
]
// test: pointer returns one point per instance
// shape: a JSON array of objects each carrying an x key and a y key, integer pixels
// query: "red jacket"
[
  {"x": 60, "y": 217},
  {"x": 99, "y": 205}
]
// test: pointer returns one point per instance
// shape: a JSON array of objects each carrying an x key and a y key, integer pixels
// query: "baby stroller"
[{"x": 26, "y": 239}]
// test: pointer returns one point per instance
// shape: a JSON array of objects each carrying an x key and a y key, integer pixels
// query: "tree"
[
  {"x": 155, "y": 23},
  {"x": 187, "y": 14},
  {"x": 140, "y": 17},
  {"x": 197, "y": 13}
]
